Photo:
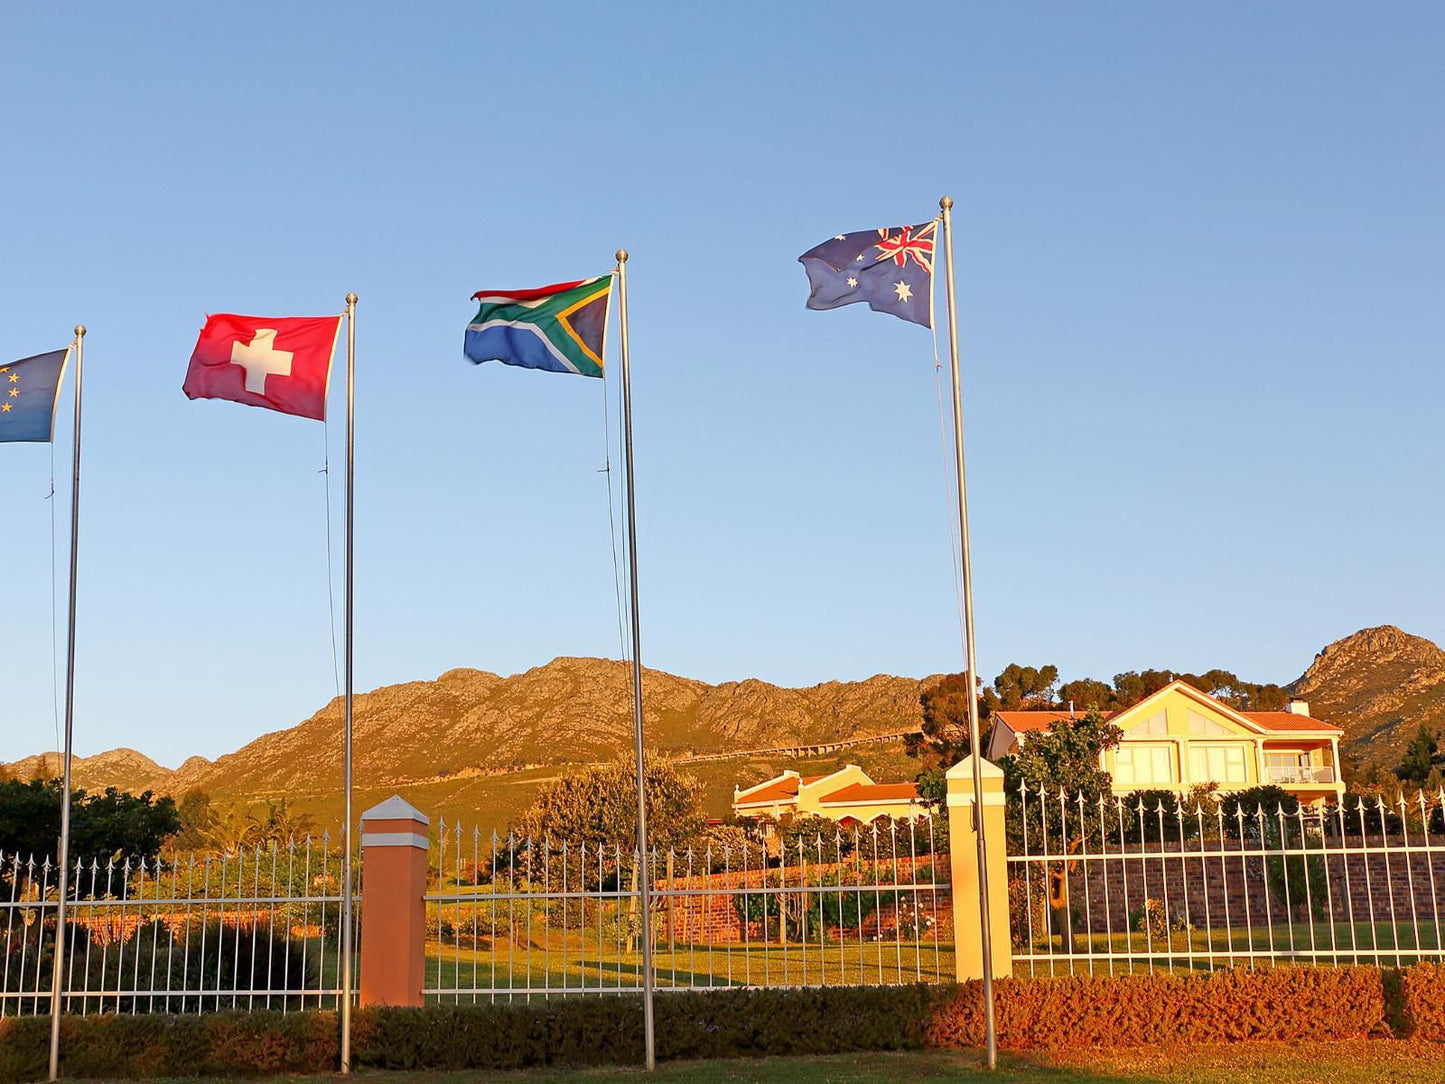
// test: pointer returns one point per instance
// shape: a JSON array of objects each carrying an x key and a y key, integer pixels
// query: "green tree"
[
  {"x": 1065, "y": 759},
  {"x": 598, "y": 804},
  {"x": 197, "y": 819},
  {"x": 1025, "y": 687},
  {"x": 1419, "y": 757},
  {"x": 1086, "y": 693},
  {"x": 112, "y": 824}
]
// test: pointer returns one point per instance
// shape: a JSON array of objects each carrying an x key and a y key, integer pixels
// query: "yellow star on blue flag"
[{"x": 29, "y": 389}]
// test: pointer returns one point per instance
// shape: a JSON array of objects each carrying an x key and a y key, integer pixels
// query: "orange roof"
[
  {"x": 872, "y": 792},
  {"x": 776, "y": 791},
  {"x": 809, "y": 780},
  {"x": 1021, "y": 722},
  {"x": 1288, "y": 722}
]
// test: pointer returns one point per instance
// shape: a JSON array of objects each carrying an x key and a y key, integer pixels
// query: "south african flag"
[{"x": 560, "y": 328}]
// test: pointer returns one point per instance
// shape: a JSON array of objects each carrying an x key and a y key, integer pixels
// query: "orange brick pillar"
[{"x": 393, "y": 904}]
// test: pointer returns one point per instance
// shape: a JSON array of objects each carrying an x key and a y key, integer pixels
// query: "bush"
[
  {"x": 1283, "y": 1004},
  {"x": 1291, "y": 1004},
  {"x": 1422, "y": 991}
]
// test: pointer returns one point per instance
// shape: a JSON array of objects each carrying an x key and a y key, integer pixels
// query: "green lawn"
[
  {"x": 1364, "y": 1062},
  {"x": 554, "y": 962}
]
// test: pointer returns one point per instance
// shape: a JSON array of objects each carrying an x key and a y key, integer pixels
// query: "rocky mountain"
[
  {"x": 124, "y": 769},
  {"x": 1380, "y": 684},
  {"x": 470, "y": 724}
]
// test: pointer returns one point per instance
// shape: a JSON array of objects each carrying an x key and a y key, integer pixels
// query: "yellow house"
[
  {"x": 1180, "y": 737},
  {"x": 847, "y": 796}
]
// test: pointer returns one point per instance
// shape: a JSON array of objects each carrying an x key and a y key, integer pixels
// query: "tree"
[
  {"x": 1419, "y": 757},
  {"x": 598, "y": 805},
  {"x": 113, "y": 824},
  {"x": 1025, "y": 687},
  {"x": 943, "y": 740},
  {"x": 1086, "y": 693},
  {"x": 1065, "y": 757},
  {"x": 197, "y": 819}
]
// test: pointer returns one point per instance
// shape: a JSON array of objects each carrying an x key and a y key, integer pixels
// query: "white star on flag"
[
  {"x": 903, "y": 290},
  {"x": 852, "y": 281}
]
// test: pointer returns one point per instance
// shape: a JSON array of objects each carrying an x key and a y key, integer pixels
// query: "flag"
[
  {"x": 29, "y": 390},
  {"x": 891, "y": 269},
  {"x": 559, "y": 328},
  {"x": 283, "y": 363}
]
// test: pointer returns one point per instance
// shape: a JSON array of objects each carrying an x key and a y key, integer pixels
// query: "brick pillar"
[
  {"x": 963, "y": 843},
  {"x": 393, "y": 905}
]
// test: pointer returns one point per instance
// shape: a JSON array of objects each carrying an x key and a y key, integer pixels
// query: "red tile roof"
[
  {"x": 872, "y": 792},
  {"x": 1288, "y": 722},
  {"x": 777, "y": 791},
  {"x": 1022, "y": 722}
]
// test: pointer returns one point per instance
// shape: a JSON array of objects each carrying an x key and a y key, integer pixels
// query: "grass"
[
  {"x": 554, "y": 962},
  {"x": 1376, "y": 1061}
]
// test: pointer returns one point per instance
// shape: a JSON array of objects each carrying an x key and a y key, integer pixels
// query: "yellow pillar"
[{"x": 963, "y": 843}]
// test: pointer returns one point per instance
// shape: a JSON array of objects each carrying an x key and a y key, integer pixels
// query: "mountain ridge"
[{"x": 471, "y": 735}]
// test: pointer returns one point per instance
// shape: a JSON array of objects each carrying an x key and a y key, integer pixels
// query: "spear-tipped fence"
[
  {"x": 1107, "y": 883},
  {"x": 520, "y": 918},
  {"x": 251, "y": 928}
]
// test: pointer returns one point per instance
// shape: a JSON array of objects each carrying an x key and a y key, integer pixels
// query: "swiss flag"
[{"x": 280, "y": 362}]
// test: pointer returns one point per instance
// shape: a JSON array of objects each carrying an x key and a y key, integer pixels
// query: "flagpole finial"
[
  {"x": 80, "y": 331},
  {"x": 946, "y": 202},
  {"x": 621, "y": 255},
  {"x": 351, "y": 299}
]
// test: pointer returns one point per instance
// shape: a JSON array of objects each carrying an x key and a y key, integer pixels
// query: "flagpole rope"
[
  {"x": 330, "y": 574},
  {"x": 612, "y": 516},
  {"x": 948, "y": 499},
  {"x": 54, "y": 634}
]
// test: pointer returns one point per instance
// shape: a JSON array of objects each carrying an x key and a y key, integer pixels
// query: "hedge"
[
  {"x": 1287, "y": 1004},
  {"x": 1422, "y": 997}
]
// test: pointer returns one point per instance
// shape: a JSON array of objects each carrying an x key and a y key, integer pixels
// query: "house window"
[
  {"x": 1218, "y": 763},
  {"x": 1144, "y": 765},
  {"x": 1156, "y": 726},
  {"x": 1202, "y": 727}
]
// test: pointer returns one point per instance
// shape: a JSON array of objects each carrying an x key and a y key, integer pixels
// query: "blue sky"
[{"x": 1200, "y": 269}]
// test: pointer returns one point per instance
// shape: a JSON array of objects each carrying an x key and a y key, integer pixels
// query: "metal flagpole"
[
  {"x": 346, "y": 908},
  {"x": 63, "y": 850},
  {"x": 985, "y": 931},
  {"x": 647, "y": 1028}
]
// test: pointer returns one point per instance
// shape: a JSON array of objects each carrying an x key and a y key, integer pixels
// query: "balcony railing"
[{"x": 1299, "y": 773}]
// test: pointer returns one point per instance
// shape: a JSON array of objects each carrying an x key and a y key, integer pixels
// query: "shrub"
[
  {"x": 1284, "y": 1004},
  {"x": 1422, "y": 990}
]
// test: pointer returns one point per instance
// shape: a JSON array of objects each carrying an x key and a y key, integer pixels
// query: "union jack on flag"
[{"x": 890, "y": 268}]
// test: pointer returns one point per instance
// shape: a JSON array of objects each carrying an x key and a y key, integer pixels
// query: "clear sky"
[{"x": 1200, "y": 274}]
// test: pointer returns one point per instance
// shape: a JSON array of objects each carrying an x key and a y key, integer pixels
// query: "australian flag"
[{"x": 891, "y": 269}]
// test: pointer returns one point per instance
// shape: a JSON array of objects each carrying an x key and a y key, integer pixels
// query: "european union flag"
[
  {"x": 28, "y": 390},
  {"x": 891, "y": 269}
]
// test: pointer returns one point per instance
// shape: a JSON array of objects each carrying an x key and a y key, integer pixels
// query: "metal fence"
[
  {"x": 251, "y": 928},
  {"x": 1121, "y": 882},
  {"x": 519, "y": 918}
]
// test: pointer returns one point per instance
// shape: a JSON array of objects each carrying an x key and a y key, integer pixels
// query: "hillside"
[
  {"x": 1380, "y": 684},
  {"x": 480, "y": 744},
  {"x": 124, "y": 769}
]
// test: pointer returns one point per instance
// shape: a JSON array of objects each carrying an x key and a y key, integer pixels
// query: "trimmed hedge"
[
  {"x": 1422, "y": 996},
  {"x": 1282, "y": 1004}
]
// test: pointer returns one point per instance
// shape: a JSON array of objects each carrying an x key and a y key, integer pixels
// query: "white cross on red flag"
[{"x": 279, "y": 362}]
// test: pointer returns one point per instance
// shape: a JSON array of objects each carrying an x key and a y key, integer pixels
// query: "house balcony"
[{"x": 1300, "y": 774}]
